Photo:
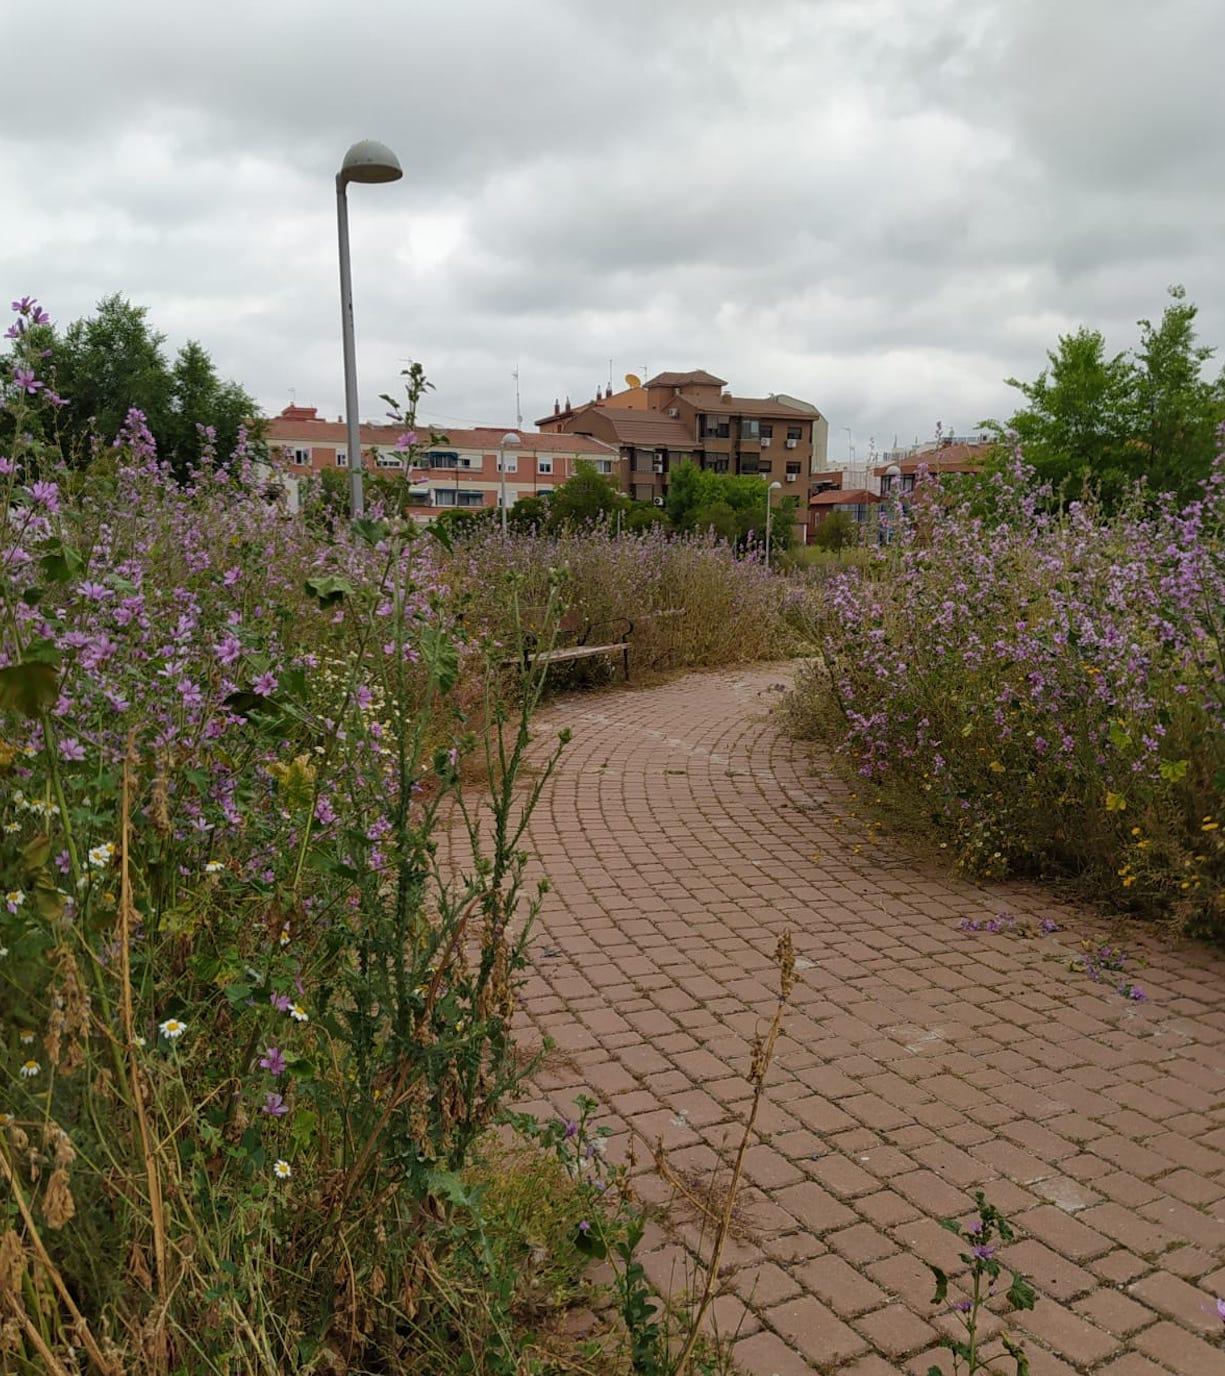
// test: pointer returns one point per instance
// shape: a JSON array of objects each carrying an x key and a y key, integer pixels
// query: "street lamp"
[
  {"x": 366, "y": 161},
  {"x": 773, "y": 488},
  {"x": 510, "y": 440},
  {"x": 850, "y": 443}
]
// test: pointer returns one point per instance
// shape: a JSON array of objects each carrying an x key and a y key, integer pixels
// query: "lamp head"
[
  {"x": 370, "y": 161},
  {"x": 511, "y": 438},
  {"x": 776, "y": 487}
]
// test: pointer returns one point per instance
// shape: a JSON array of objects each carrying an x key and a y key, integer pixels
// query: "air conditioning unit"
[
  {"x": 673, "y": 412},
  {"x": 659, "y": 501},
  {"x": 791, "y": 444},
  {"x": 791, "y": 477},
  {"x": 765, "y": 441},
  {"x": 657, "y": 466}
]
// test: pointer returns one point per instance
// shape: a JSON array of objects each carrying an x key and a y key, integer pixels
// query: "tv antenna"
[{"x": 518, "y": 404}]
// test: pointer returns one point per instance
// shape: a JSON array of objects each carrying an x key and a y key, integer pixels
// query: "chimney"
[
  {"x": 556, "y": 407},
  {"x": 567, "y": 403}
]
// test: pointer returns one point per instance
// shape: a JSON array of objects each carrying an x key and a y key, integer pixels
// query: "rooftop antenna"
[
  {"x": 518, "y": 404},
  {"x": 610, "y": 377},
  {"x": 293, "y": 396}
]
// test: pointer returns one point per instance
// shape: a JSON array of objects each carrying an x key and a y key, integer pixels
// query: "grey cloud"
[{"x": 884, "y": 205}]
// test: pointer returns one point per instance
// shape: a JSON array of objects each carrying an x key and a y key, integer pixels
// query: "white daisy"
[
  {"x": 282, "y": 1169},
  {"x": 29, "y": 1070},
  {"x": 100, "y": 856},
  {"x": 14, "y": 899},
  {"x": 213, "y": 867},
  {"x": 173, "y": 1029},
  {"x": 299, "y": 1014}
]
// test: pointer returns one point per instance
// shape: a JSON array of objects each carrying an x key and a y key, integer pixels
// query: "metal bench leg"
[{"x": 625, "y": 655}]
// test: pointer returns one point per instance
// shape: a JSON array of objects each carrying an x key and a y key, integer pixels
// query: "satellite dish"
[{"x": 633, "y": 380}]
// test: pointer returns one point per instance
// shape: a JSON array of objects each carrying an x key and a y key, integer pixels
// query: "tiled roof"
[
  {"x": 953, "y": 458},
  {"x": 752, "y": 406},
  {"x": 293, "y": 426},
  {"x": 857, "y": 496},
  {"x": 647, "y": 428},
  {"x": 699, "y": 377}
]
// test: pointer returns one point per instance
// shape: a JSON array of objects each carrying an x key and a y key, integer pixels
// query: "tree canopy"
[
  {"x": 107, "y": 363},
  {"x": 1110, "y": 419}
]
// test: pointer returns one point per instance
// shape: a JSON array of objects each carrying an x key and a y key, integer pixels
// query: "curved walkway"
[{"x": 918, "y": 1061}]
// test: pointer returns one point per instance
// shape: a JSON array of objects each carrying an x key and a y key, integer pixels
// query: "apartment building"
[
  {"x": 671, "y": 417},
  {"x": 460, "y": 471}
]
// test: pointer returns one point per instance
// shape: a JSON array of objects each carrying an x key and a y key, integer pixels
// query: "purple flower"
[
  {"x": 984, "y": 1252},
  {"x": 272, "y": 1060},
  {"x": 47, "y": 495},
  {"x": 26, "y": 381},
  {"x": 1220, "y": 1309},
  {"x": 406, "y": 440},
  {"x": 584, "y": 1227},
  {"x": 962, "y": 1306},
  {"x": 274, "y": 1105},
  {"x": 1049, "y": 925},
  {"x": 281, "y": 1002},
  {"x": 265, "y": 685},
  {"x": 571, "y": 1130},
  {"x": 325, "y": 813},
  {"x": 71, "y": 749}
]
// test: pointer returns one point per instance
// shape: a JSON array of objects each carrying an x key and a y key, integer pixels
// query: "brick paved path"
[{"x": 918, "y": 1062}]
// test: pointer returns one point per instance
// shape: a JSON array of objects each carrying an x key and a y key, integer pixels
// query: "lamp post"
[
  {"x": 770, "y": 491},
  {"x": 850, "y": 443},
  {"x": 366, "y": 161},
  {"x": 510, "y": 440}
]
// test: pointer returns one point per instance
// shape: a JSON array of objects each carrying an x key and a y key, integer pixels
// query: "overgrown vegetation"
[
  {"x": 260, "y": 945},
  {"x": 1042, "y": 688}
]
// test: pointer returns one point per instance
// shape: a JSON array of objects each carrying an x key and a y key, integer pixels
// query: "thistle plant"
[{"x": 982, "y": 1238}]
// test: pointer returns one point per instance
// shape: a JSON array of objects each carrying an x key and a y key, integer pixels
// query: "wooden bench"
[{"x": 577, "y": 639}]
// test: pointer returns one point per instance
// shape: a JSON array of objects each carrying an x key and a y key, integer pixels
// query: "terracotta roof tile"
[
  {"x": 698, "y": 377},
  {"x": 293, "y": 426},
  {"x": 857, "y": 496}
]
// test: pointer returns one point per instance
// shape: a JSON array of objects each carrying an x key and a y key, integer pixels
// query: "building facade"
[
  {"x": 460, "y": 471},
  {"x": 677, "y": 416}
]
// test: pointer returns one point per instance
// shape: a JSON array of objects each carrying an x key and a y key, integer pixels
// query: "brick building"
[
  {"x": 676, "y": 416},
  {"x": 460, "y": 472}
]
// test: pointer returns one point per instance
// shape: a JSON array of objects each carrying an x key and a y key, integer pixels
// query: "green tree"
[
  {"x": 586, "y": 496},
  {"x": 719, "y": 516},
  {"x": 836, "y": 531},
  {"x": 1108, "y": 420},
  {"x": 1081, "y": 417},
  {"x": 1179, "y": 409},
  {"x": 107, "y": 363}
]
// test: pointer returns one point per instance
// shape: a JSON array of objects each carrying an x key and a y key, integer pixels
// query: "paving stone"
[{"x": 917, "y": 1062}]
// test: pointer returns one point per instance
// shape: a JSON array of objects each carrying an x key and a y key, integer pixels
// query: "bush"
[
  {"x": 1041, "y": 691},
  {"x": 733, "y": 607},
  {"x": 836, "y": 532}
]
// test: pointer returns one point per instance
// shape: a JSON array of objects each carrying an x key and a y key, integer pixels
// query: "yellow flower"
[
  {"x": 1115, "y": 802},
  {"x": 995, "y": 767},
  {"x": 1210, "y": 825}
]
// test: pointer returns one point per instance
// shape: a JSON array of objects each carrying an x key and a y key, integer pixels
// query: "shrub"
[
  {"x": 733, "y": 607},
  {"x": 1043, "y": 691}
]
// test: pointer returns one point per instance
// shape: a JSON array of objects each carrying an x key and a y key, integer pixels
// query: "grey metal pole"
[
  {"x": 357, "y": 498},
  {"x": 769, "y": 510},
  {"x": 502, "y": 482}
]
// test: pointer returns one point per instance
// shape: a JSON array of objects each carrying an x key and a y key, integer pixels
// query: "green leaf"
[
  {"x": 1173, "y": 770},
  {"x": 238, "y": 993},
  {"x": 1119, "y": 736},
  {"x": 36, "y": 853},
  {"x": 591, "y": 1241},
  {"x": 328, "y": 588},
  {"x": 951, "y": 1225},
  {"x": 1020, "y": 1293},
  {"x": 942, "y": 1284},
  {"x": 440, "y": 657},
  {"x": 245, "y": 703},
  {"x": 60, "y": 563},
  {"x": 440, "y": 533},
  {"x": 372, "y": 532},
  {"x": 32, "y": 596},
  {"x": 305, "y": 1123},
  {"x": 29, "y": 687}
]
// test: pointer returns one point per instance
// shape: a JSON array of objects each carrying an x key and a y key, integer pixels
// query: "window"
[
  {"x": 750, "y": 463},
  {"x": 793, "y": 468},
  {"x": 716, "y": 465},
  {"x": 457, "y": 496},
  {"x": 766, "y": 430},
  {"x": 463, "y": 498},
  {"x": 386, "y": 459},
  {"x": 444, "y": 460},
  {"x": 301, "y": 458},
  {"x": 342, "y": 459},
  {"x": 750, "y": 429},
  {"x": 714, "y": 428},
  {"x": 508, "y": 463},
  {"x": 603, "y": 465},
  {"x": 544, "y": 465},
  {"x": 794, "y": 432}
]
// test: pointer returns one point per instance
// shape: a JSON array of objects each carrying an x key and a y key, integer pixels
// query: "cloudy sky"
[{"x": 884, "y": 206}]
